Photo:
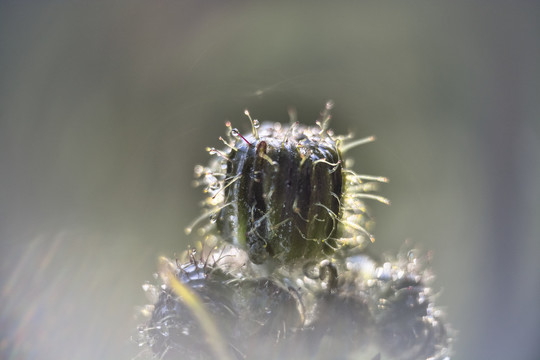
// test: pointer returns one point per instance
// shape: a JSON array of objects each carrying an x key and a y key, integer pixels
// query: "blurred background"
[{"x": 106, "y": 107}]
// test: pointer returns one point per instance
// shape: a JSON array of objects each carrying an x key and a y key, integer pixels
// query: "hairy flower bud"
[{"x": 283, "y": 193}]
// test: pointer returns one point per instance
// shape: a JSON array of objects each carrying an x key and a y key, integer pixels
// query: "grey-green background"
[{"x": 105, "y": 108}]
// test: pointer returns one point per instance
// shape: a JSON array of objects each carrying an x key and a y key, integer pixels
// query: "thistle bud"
[{"x": 282, "y": 193}]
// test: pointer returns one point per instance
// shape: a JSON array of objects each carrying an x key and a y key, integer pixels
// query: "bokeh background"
[{"x": 106, "y": 107}]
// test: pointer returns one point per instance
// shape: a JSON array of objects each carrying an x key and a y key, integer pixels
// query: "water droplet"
[
  {"x": 213, "y": 218},
  {"x": 302, "y": 151},
  {"x": 410, "y": 302},
  {"x": 212, "y": 151},
  {"x": 198, "y": 170},
  {"x": 235, "y": 132},
  {"x": 146, "y": 286},
  {"x": 256, "y": 123}
]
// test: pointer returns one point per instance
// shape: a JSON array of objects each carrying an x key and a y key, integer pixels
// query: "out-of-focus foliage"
[{"x": 373, "y": 311}]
